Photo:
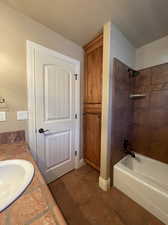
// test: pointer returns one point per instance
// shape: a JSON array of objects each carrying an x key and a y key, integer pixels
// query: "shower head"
[{"x": 133, "y": 73}]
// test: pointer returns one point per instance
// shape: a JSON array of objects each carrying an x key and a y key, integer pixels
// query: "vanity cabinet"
[{"x": 92, "y": 101}]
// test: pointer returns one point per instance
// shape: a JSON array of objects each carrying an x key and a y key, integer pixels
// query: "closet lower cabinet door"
[{"x": 92, "y": 139}]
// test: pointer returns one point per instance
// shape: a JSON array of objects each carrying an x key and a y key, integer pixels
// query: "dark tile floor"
[{"x": 84, "y": 203}]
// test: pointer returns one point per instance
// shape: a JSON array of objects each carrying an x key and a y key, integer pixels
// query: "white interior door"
[{"x": 56, "y": 111}]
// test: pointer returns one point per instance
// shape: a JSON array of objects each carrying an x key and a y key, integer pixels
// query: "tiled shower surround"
[
  {"x": 150, "y": 114},
  {"x": 143, "y": 121}
]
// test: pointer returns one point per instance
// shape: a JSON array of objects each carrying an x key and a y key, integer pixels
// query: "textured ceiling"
[{"x": 142, "y": 21}]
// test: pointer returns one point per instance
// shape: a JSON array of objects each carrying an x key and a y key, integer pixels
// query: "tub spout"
[{"x": 132, "y": 154}]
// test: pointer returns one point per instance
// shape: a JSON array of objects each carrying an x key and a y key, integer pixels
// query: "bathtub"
[{"x": 144, "y": 180}]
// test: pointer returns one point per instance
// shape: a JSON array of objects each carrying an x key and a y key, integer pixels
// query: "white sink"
[{"x": 15, "y": 176}]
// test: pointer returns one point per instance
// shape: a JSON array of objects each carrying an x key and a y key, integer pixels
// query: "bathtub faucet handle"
[
  {"x": 128, "y": 148},
  {"x": 126, "y": 144}
]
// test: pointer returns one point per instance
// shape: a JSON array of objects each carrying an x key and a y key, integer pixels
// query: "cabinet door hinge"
[
  {"x": 76, "y": 153},
  {"x": 76, "y": 116},
  {"x": 76, "y": 76}
]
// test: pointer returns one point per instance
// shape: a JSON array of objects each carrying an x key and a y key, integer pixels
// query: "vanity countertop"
[{"x": 36, "y": 205}]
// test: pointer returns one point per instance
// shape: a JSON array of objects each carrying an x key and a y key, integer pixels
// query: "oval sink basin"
[{"x": 15, "y": 176}]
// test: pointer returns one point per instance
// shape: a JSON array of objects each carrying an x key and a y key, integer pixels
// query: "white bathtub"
[{"x": 145, "y": 181}]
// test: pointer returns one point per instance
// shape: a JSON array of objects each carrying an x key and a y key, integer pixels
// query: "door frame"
[{"x": 31, "y": 48}]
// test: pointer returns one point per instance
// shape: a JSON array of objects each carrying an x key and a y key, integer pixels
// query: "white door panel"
[
  {"x": 55, "y": 112},
  {"x": 55, "y": 78},
  {"x": 59, "y": 140}
]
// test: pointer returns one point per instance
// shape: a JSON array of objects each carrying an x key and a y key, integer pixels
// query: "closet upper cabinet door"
[{"x": 93, "y": 73}]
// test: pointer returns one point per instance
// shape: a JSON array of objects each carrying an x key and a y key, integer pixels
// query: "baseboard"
[
  {"x": 104, "y": 184},
  {"x": 92, "y": 165}
]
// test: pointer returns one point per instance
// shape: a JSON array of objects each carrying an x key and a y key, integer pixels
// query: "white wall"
[
  {"x": 15, "y": 29},
  {"x": 152, "y": 54},
  {"x": 115, "y": 45},
  {"x": 121, "y": 48}
]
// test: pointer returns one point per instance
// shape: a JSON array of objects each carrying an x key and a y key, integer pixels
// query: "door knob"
[{"x": 41, "y": 130}]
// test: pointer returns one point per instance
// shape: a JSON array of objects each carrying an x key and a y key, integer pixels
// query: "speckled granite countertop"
[{"x": 36, "y": 205}]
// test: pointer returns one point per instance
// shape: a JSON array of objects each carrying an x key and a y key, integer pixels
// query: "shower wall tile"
[
  {"x": 159, "y": 100},
  {"x": 140, "y": 137},
  {"x": 160, "y": 74},
  {"x": 121, "y": 109},
  {"x": 150, "y": 114},
  {"x": 160, "y": 87},
  {"x": 140, "y": 118},
  {"x": 142, "y": 83},
  {"x": 141, "y": 104},
  {"x": 157, "y": 151}
]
